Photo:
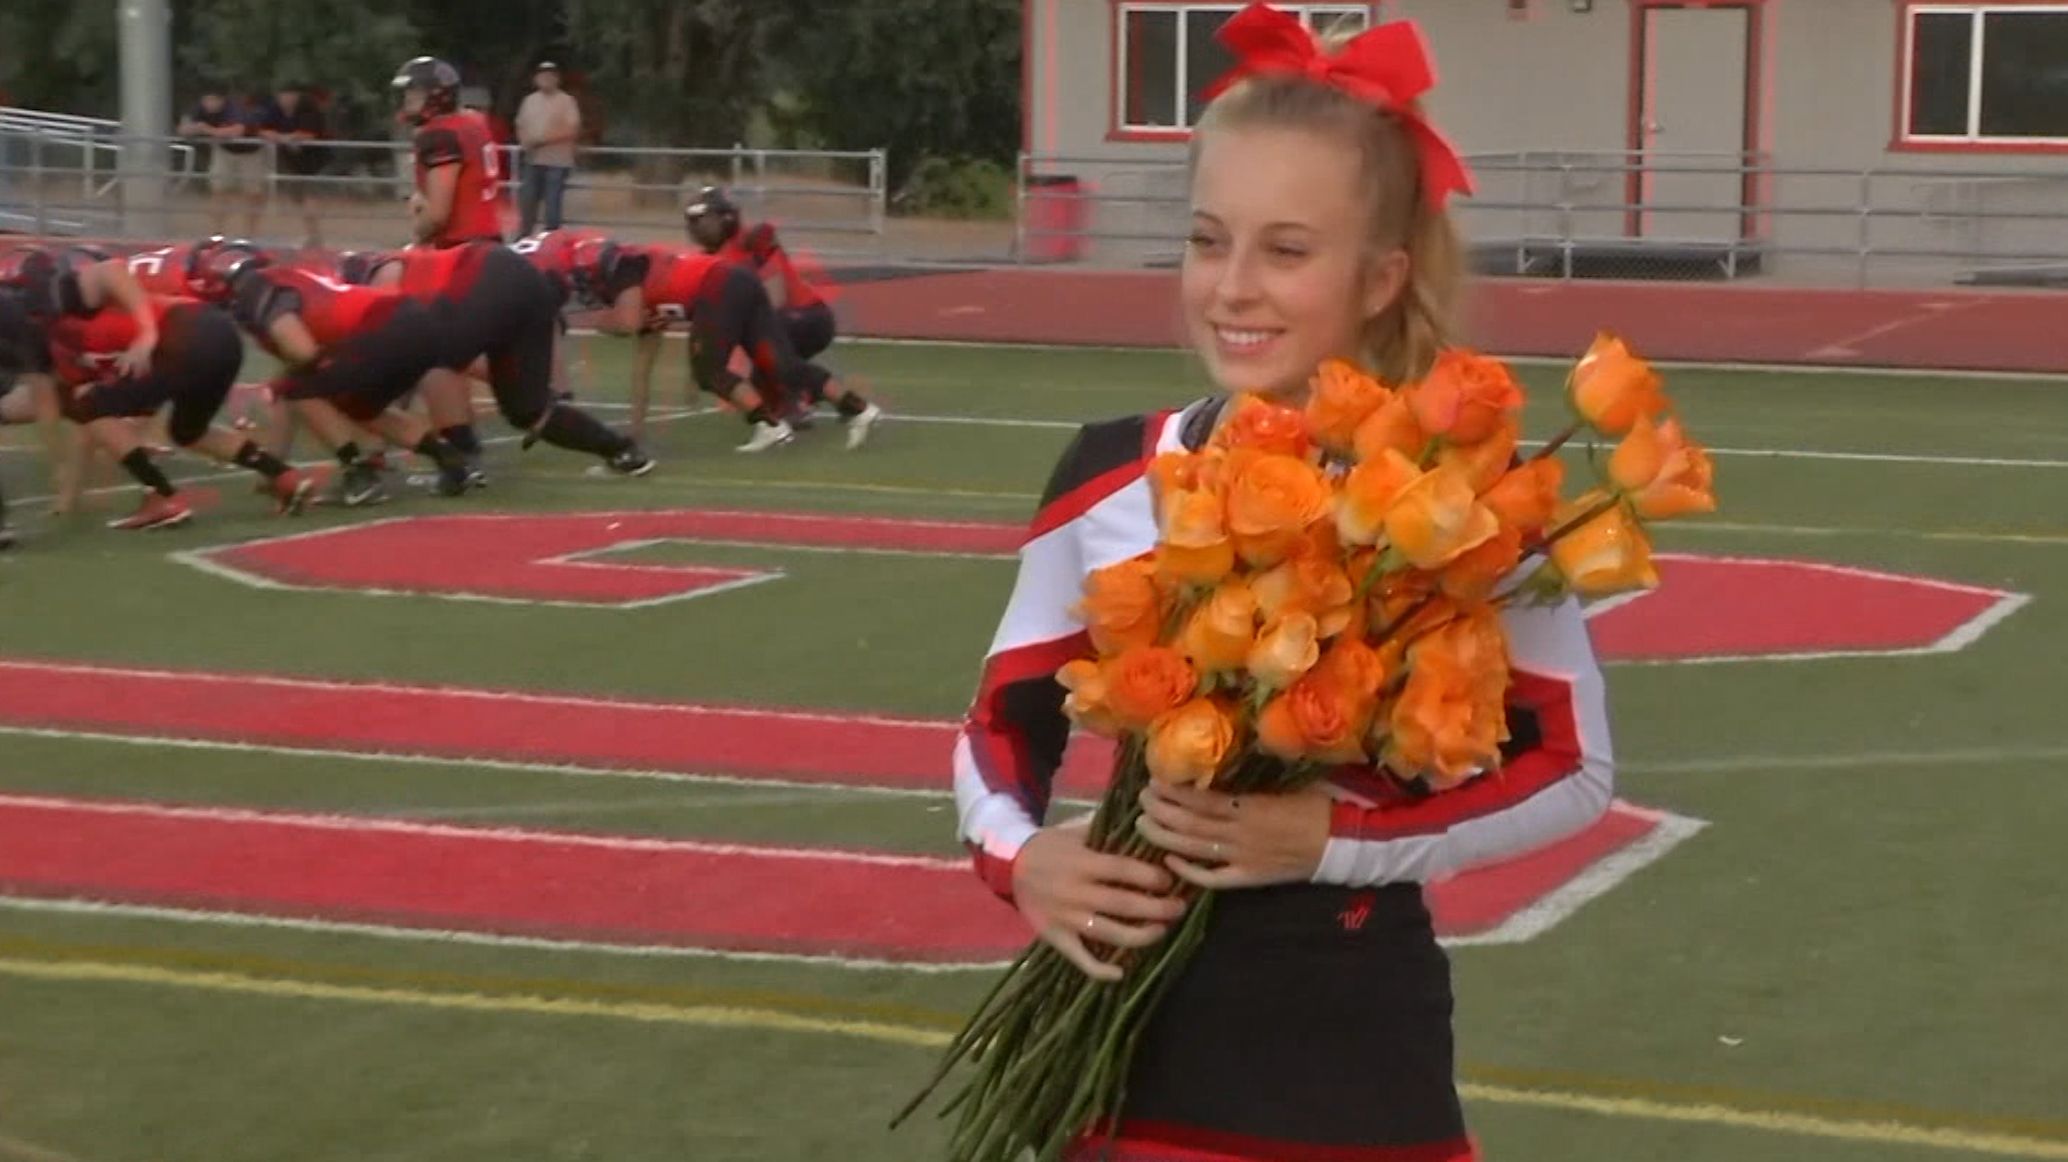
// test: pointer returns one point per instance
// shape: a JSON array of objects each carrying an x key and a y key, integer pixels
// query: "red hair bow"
[{"x": 1387, "y": 66}]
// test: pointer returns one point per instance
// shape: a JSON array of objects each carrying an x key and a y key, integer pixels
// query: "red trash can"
[{"x": 1056, "y": 214}]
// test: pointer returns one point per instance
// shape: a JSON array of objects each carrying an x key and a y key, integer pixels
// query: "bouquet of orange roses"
[{"x": 1325, "y": 590}]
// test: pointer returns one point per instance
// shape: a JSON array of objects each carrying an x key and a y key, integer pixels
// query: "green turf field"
[{"x": 1858, "y": 958}]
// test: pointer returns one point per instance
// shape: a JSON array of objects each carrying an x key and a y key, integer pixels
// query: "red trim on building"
[
  {"x": 1117, "y": 129},
  {"x": 1642, "y": 89},
  {"x": 1900, "y": 140}
]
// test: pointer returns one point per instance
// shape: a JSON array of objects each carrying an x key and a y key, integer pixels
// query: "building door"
[{"x": 1693, "y": 137}]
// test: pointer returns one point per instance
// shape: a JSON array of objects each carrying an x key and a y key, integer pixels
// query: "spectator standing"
[
  {"x": 236, "y": 163},
  {"x": 294, "y": 126},
  {"x": 548, "y": 124}
]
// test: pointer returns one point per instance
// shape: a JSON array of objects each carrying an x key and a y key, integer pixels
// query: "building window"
[
  {"x": 1167, "y": 54},
  {"x": 1983, "y": 73}
]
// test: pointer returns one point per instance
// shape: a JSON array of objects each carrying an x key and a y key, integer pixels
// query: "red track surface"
[
  {"x": 1952, "y": 329},
  {"x": 456, "y": 723},
  {"x": 566, "y": 886}
]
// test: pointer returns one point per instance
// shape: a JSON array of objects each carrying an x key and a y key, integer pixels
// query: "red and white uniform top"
[{"x": 1099, "y": 512}]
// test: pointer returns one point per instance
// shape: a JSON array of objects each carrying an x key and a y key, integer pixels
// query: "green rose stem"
[
  {"x": 1574, "y": 525},
  {"x": 1558, "y": 441}
]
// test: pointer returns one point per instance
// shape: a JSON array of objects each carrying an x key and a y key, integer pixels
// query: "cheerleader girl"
[{"x": 1315, "y": 1019}]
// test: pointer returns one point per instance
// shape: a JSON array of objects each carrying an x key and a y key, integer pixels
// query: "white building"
[{"x": 1734, "y": 128}]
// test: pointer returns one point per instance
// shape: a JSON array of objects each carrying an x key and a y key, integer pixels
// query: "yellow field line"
[
  {"x": 14, "y": 1149},
  {"x": 1603, "y": 1104},
  {"x": 650, "y": 1012},
  {"x": 1773, "y": 1121}
]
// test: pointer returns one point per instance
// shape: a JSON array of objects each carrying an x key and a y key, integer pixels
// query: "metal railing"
[
  {"x": 1612, "y": 214},
  {"x": 78, "y": 176},
  {"x": 83, "y": 149}
]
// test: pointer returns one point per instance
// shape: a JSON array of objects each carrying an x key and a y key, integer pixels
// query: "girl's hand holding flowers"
[{"x": 1217, "y": 840}]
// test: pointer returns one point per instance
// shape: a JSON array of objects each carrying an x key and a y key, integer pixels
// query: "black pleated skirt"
[{"x": 1313, "y": 1025}]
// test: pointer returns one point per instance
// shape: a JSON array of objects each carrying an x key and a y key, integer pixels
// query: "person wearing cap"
[{"x": 548, "y": 124}]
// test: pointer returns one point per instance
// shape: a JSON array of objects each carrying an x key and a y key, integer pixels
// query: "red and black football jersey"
[
  {"x": 675, "y": 277},
  {"x": 463, "y": 139},
  {"x": 331, "y": 310},
  {"x": 162, "y": 271},
  {"x": 757, "y": 249},
  {"x": 84, "y": 343}
]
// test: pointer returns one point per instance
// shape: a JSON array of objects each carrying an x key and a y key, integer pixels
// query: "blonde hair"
[{"x": 1401, "y": 342}]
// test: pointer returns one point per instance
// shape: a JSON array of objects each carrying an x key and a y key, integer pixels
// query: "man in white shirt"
[{"x": 548, "y": 123}]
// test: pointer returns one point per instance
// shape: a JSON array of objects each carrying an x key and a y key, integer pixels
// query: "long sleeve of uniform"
[
  {"x": 1556, "y": 777},
  {"x": 1095, "y": 511}
]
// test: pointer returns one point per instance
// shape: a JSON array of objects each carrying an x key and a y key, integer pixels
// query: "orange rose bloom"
[
  {"x": 1487, "y": 461},
  {"x": 1473, "y": 575},
  {"x": 1466, "y": 397},
  {"x": 1171, "y": 472},
  {"x": 1340, "y": 398},
  {"x": 1354, "y": 665},
  {"x": 1189, "y": 744},
  {"x": 1220, "y": 631},
  {"x": 1256, "y": 423},
  {"x": 1437, "y": 518},
  {"x": 1473, "y": 643},
  {"x": 1146, "y": 681},
  {"x": 1440, "y": 730},
  {"x": 1525, "y": 498},
  {"x": 1086, "y": 702},
  {"x": 1611, "y": 387},
  {"x": 1122, "y": 606},
  {"x": 1318, "y": 542},
  {"x": 1368, "y": 492},
  {"x": 1195, "y": 548},
  {"x": 1391, "y": 426},
  {"x": 1663, "y": 472},
  {"x": 1288, "y": 647},
  {"x": 1397, "y": 593},
  {"x": 1608, "y": 554},
  {"x": 1306, "y": 584},
  {"x": 1271, "y": 501},
  {"x": 1316, "y": 718}
]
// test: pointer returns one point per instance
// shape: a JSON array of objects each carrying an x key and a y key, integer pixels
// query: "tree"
[
  {"x": 674, "y": 71},
  {"x": 921, "y": 78},
  {"x": 350, "y": 50},
  {"x": 60, "y": 55}
]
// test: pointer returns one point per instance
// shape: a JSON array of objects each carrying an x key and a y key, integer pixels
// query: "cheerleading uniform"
[{"x": 1314, "y": 1022}]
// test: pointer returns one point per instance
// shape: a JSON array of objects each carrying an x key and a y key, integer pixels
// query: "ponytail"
[{"x": 1402, "y": 343}]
